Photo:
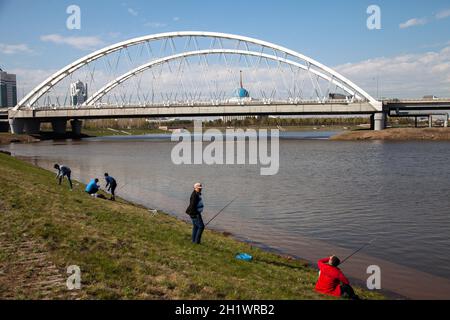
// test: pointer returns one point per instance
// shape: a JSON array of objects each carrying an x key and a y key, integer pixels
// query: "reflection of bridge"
[{"x": 188, "y": 74}]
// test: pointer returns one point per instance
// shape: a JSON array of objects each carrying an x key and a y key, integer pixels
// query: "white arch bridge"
[{"x": 189, "y": 74}]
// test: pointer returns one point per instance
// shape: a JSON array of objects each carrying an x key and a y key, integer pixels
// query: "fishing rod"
[
  {"x": 123, "y": 186},
  {"x": 220, "y": 211},
  {"x": 355, "y": 252}
]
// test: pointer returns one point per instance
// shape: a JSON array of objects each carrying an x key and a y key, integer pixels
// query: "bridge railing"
[{"x": 225, "y": 103}]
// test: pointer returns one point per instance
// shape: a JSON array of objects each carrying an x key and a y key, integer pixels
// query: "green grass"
[{"x": 126, "y": 253}]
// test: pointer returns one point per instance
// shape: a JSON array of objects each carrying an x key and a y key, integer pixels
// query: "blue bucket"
[{"x": 244, "y": 257}]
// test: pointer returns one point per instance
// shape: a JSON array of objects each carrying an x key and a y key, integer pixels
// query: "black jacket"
[{"x": 192, "y": 209}]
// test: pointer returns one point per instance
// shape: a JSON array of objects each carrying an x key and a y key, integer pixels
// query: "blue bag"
[{"x": 244, "y": 256}]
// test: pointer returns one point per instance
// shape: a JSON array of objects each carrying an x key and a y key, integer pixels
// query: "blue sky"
[{"x": 332, "y": 32}]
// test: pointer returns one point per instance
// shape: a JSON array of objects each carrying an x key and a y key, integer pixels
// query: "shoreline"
[
  {"x": 285, "y": 266},
  {"x": 346, "y": 134},
  {"x": 396, "y": 134}
]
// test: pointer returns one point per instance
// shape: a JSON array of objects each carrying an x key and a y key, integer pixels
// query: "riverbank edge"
[
  {"x": 396, "y": 134},
  {"x": 278, "y": 260},
  {"x": 390, "y": 134}
]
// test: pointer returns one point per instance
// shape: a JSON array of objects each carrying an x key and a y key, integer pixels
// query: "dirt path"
[{"x": 26, "y": 272}]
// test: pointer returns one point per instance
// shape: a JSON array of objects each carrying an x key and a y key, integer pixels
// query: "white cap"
[{"x": 198, "y": 185}]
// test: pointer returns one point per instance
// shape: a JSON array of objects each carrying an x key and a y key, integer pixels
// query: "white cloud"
[
  {"x": 410, "y": 75},
  {"x": 443, "y": 14},
  {"x": 413, "y": 22},
  {"x": 27, "y": 79},
  {"x": 132, "y": 12},
  {"x": 155, "y": 24},
  {"x": 81, "y": 43},
  {"x": 14, "y": 48}
]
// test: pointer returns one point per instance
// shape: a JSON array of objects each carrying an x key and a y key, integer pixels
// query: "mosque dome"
[{"x": 241, "y": 92}]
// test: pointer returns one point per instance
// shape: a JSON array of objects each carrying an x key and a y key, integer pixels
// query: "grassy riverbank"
[
  {"x": 123, "y": 251},
  {"x": 398, "y": 134},
  {"x": 7, "y": 138}
]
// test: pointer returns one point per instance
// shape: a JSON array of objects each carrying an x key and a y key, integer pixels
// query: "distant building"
[
  {"x": 231, "y": 118},
  {"x": 78, "y": 93},
  {"x": 8, "y": 90},
  {"x": 240, "y": 94},
  {"x": 338, "y": 96}
]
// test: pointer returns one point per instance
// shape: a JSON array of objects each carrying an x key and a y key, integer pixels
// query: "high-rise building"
[
  {"x": 78, "y": 93},
  {"x": 8, "y": 90}
]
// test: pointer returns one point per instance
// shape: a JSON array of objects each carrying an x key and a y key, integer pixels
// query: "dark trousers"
[
  {"x": 197, "y": 228},
  {"x": 68, "y": 178},
  {"x": 112, "y": 189},
  {"x": 347, "y": 292}
]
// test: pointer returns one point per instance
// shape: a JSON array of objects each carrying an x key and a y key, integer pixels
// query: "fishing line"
[
  {"x": 229, "y": 203},
  {"x": 355, "y": 252}
]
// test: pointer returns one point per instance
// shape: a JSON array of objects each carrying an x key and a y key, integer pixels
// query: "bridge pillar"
[
  {"x": 59, "y": 126},
  {"x": 379, "y": 121},
  {"x": 32, "y": 126},
  {"x": 16, "y": 125},
  {"x": 76, "y": 127}
]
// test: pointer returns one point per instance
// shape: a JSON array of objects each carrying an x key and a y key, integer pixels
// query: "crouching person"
[
  {"x": 92, "y": 187},
  {"x": 332, "y": 280}
]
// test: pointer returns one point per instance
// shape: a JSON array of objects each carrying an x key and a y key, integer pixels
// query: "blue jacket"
[
  {"x": 110, "y": 181},
  {"x": 92, "y": 187}
]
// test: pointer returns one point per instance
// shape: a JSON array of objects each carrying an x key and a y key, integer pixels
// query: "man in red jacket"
[{"x": 332, "y": 281}]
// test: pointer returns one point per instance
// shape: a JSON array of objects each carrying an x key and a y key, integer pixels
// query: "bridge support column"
[
  {"x": 430, "y": 121},
  {"x": 59, "y": 126},
  {"x": 16, "y": 125},
  {"x": 76, "y": 127},
  {"x": 32, "y": 126},
  {"x": 379, "y": 121}
]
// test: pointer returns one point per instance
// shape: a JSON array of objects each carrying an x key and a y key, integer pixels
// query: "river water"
[{"x": 328, "y": 197}]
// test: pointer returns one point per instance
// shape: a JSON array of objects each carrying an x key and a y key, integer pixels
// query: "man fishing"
[
  {"x": 195, "y": 210},
  {"x": 63, "y": 171},
  {"x": 332, "y": 280},
  {"x": 92, "y": 187},
  {"x": 111, "y": 185}
]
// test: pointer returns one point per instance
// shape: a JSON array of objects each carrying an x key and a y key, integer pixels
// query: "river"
[{"x": 329, "y": 197}]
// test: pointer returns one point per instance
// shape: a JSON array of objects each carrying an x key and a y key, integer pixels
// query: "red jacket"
[{"x": 330, "y": 278}]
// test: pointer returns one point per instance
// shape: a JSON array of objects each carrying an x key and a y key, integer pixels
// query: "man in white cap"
[{"x": 195, "y": 210}]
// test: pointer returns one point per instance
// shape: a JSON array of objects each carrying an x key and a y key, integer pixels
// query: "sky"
[{"x": 408, "y": 57}]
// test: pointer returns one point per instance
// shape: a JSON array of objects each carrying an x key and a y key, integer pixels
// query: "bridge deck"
[
  {"x": 193, "y": 111},
  {"x": 417, "y": 104}
]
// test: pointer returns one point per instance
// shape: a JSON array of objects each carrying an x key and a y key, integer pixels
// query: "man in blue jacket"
[
  {"x": 92, "y": 187},
  {"x": 63, "y": 171},
  {"x": 111, "y": 185},
  {"x": 195, "y": 210}
]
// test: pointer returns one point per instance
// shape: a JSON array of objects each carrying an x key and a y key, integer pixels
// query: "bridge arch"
[
  {"x": 123, "y": 78},
  {"x": 312, "y": 65}
]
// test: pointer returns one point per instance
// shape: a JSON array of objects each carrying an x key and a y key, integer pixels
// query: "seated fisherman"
[{"x": 332, "y": 281}]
